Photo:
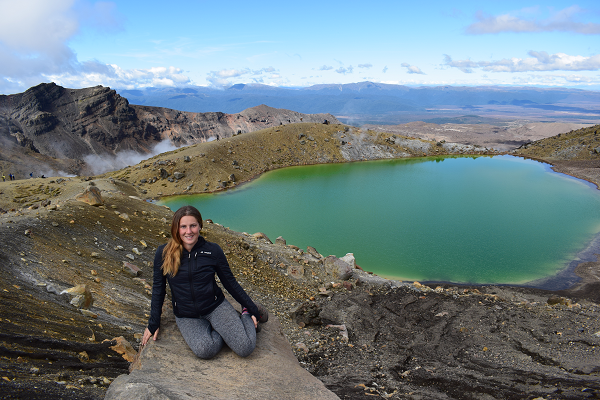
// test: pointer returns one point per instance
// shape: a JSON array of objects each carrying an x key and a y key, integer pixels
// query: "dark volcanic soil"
[{"x": 453, "y": 343}]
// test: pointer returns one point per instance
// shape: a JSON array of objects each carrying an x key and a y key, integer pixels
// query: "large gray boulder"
[
  {"x": 338, "y": 268},
  {"x": 167, "y": 369}
]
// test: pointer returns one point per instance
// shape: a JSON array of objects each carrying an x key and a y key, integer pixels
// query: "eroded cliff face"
[
  {"x": 66, "y": 123},
  {"x": 58, "y": 127}
]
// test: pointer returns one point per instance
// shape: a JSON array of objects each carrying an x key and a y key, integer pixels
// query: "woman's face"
[{"x": 189, "y": 230}]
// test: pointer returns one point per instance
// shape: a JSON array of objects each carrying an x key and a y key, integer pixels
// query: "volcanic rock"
[
  {"x": 91, "y": 196},
  {"x": 337, "y": 268},
  {"x": 81, "y": 296},
  {"x": 167, "y": 369}
]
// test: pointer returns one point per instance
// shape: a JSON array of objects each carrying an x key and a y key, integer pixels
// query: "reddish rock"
[
  {"x": 131, "y": 269},
  {"x": 124, "y": 348}
]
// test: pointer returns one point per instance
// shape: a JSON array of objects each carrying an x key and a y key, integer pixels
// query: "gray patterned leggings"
[{"x": 205, "y": 335}]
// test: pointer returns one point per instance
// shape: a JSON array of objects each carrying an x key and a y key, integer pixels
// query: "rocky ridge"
[
  {"x": 49, "y": 128},
  {"x": 576, "y": 152},
  {"x": 505, "y": 136},
  {"x": 361, "y": 335},
  {"x": 575, "y": 145},
  {"x": 219, "y": 165}
]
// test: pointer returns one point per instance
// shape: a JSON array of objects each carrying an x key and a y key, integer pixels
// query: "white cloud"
[
  {"x": 37, "y": 25},
  {"x": 219, "y": 78},
  {"x": 34, "y": 37},
  {"x": 231, "y": 73},
  {"x": 94, "y": 73},
  {"x": 565, "y": 20},
  {"x": 343, "y": 70},
  {"x": 267, "y": 69},
  {"x": 411, "y": 69},
  {"x": 368, "y": 65},
  {"x": 556, "y": 80},
  {"x": 224, "y": 77},
  {"x": 325, "y": 68},
  {"x": 539, "y": 61}
]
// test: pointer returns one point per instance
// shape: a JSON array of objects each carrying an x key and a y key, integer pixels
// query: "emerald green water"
[{"x": 466, "y": 220}]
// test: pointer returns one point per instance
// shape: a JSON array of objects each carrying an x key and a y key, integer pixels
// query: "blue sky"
[{"x": 133, "y": 44}]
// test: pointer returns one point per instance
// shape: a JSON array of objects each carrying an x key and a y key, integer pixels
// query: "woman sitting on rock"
[{"x": 204, "y": 317}]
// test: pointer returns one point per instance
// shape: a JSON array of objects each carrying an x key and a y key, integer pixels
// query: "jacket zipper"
[{"x": 190, "y": 278}]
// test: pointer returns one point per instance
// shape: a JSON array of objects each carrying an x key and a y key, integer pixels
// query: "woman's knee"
[
  {"x": 243, "y": 347},
  {"x": 205, "y": 353},
  {"x": 245, "y": 352}
]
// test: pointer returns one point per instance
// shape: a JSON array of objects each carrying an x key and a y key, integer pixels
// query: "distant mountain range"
[{"x": 368, "y": 102}]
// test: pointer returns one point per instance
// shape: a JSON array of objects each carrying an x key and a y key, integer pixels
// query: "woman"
[{"x": 204, "y": 317}]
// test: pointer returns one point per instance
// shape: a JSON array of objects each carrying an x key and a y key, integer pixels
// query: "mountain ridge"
[{"x": 53, "y": 128}]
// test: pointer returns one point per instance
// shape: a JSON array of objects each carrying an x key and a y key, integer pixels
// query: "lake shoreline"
[{"x": 564, "y": 276}]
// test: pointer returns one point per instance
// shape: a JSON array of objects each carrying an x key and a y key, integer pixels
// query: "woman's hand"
[
  {"x": 147, "y": 335},
  {"x": 253, "y": 319}
]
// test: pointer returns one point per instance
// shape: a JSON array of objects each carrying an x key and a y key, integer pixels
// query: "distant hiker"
[
  {"x": 3, "y": 178},
  {"x": 31, "y": 175},
  {"x": 205, "y": 318}
]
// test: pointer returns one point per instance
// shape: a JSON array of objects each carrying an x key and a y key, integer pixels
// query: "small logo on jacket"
[{"x": 205, "y": 252}]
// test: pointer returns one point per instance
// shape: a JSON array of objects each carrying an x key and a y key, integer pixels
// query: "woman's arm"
[
  {"x": 159, "y": 287},
  {"x": 231, "y": 284}
]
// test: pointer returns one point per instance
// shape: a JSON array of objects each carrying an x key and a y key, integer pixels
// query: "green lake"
[{"x": 503, "y": 219}]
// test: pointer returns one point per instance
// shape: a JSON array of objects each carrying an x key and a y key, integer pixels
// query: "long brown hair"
[{"x": 172, "y": 252}]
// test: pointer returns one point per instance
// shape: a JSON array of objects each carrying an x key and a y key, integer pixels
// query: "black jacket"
[{"x": 194, "y": 290}]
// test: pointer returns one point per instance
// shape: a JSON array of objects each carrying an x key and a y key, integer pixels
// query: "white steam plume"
[{"x": 101, "y": 164}]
